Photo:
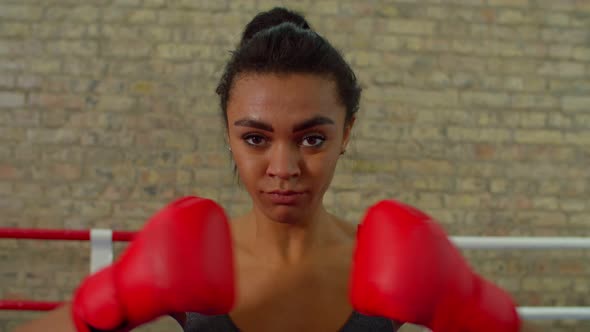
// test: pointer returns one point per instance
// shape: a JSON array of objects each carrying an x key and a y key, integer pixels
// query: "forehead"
[{"x": 273, "y": 97}]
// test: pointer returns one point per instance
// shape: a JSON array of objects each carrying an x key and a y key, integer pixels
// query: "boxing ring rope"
[
  {"x": 513, "y": 242},
  {"x": 102, "y": 255},
  {"x": 59, "y": 234}
]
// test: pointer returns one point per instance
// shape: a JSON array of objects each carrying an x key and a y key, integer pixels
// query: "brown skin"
[
  {"x": 293, "y": 260},
  {"x": 289, "y": 253},
  {"x": 274, "y": 295}
]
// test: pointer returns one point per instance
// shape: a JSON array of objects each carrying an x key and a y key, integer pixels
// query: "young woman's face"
[{"x": 286, "y": 133}]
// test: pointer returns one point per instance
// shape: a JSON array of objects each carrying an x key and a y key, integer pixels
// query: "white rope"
[
  {"x": 499, "y": 242},
  {"x": 101, "y": 248},
  {"x": 551, "y": 313}
]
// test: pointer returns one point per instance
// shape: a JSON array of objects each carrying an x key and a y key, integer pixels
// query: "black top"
[{"x": 222, "y": 323}]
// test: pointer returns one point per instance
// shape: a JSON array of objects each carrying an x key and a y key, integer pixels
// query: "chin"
[{"x": 286, "y": 214}]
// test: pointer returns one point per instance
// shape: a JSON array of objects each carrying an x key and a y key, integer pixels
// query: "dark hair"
[{"x": 281, "y": 41}]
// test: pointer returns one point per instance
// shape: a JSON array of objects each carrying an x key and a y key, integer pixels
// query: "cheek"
[
  {"x": 249, "y": 168},
  {"x": 323, "y": 167}
]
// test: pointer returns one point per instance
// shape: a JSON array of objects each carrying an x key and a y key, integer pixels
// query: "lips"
[
  {"x": 285, "y": 192},
  {"x": 284, "y": 197}
]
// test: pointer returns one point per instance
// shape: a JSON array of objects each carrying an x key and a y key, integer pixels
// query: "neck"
[{"x": 282, "y": 243}]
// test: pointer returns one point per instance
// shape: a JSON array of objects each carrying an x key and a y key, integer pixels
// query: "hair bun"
[{"x": 271, "y": 18}]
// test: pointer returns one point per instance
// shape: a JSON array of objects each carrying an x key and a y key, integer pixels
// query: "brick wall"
[{"x": 476, "y": 111}]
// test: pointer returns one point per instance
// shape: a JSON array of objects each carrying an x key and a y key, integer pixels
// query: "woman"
[{"x": 289, "y": 101}]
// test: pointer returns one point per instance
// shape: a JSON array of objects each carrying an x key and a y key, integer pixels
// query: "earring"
[{"x": 229, "y": 148}]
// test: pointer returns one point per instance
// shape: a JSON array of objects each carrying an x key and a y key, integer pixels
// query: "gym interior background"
[{"x": 476, "y": 111}]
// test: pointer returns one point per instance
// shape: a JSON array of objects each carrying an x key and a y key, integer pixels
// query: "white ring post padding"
[
  {"x": 101, "y": 249},
  {"x": 552, "y": 313},
  {"x": 514, "y": 242}
]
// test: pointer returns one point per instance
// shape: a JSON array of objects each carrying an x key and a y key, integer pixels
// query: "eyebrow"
[{"x": 315, "y": 121}]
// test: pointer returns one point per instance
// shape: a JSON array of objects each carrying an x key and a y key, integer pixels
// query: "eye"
[
  {"x": 255, "y": 140},
  {"x": 313, "y": 141}
]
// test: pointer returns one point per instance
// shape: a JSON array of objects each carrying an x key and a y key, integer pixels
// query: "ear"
[
  {"x": 226, "y": 140},
  {"x": 347, "y": 132}
]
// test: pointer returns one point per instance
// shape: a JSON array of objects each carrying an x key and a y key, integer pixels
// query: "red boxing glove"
[
  {"x": 181, "y": 261},
  {"x": 405, "y": 268}
]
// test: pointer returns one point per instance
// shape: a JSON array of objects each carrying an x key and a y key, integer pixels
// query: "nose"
[{"x": 284, "y": 161}]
